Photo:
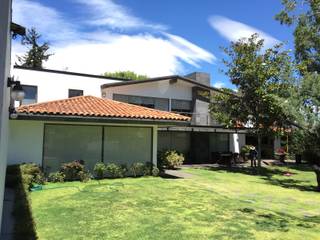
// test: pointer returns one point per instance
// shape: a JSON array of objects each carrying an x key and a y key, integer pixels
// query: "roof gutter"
[{"x": 68, "y": 118}]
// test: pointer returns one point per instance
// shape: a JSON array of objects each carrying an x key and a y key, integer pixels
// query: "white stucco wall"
[
  {"x": 54, "y": 86},
  {"x": 5, "y": 48},
  {"x": 237, "y": 141},
  {"x": 161, "y": 89},
  {"x": 26, "y": 140}
]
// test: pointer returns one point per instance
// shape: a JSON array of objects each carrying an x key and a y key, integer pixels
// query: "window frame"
[
  {"x": 36, "y": 97},
  {"x": 78, "y": 90}
]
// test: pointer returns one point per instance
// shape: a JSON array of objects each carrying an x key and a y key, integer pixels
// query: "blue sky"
[{"x": 150, "y": 37}]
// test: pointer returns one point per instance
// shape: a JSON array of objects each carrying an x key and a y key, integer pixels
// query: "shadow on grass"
[{"x": 268, "y": 174}]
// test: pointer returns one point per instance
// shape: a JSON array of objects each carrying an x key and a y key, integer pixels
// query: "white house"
[{"x": 201, "y": 140}]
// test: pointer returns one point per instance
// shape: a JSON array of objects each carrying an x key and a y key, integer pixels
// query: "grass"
[{"x": 214, "y": 204}]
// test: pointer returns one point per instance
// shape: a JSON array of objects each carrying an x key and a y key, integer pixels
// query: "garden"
[{"x": 215, "y": 203}]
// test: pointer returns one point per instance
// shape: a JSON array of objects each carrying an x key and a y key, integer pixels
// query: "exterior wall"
[
  {"x": 276, "y": 143},
  {"x": 237, "y": 141},
  {"x": 26, "y": 140},
  {"x": 161, "y": 89},
  {"x": 5, "y": 46},
  {"x": 54, "y": 86}
]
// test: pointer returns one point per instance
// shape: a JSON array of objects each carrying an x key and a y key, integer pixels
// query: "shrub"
[
  {"x": 155, "y": 171},
  {"x": 71, "y": 170},
  {"x": 84, "y": 176},
  {"x": 171, "y": 159},
  {"x": 148, "y": 166},
  {"x": 32, "y": 173},
  {"x": 115, "y": 171},
  {"x": 137, "y": 169},
  {"x": 56, "y": 177},
  {"x": 99, "y": 170}
]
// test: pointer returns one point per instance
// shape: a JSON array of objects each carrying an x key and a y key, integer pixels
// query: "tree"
[
  {"x": 126, "y": 75},
  {"x": 261, "y": 77},
  {"x": 304, "y": 16},
  {"x": 306, "y": 32},
  {"x": 37, "y": 53}
]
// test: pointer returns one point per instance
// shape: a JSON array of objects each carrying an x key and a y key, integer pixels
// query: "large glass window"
[
  {"x": 126, "y": 145},
  {"x": 150, "y": 102},
  {"x": 181, "y": 106},
  {"x": 30, "y": 94},
  {"x": 219, "y": 142},
  {"x": 65, "y": 143}
]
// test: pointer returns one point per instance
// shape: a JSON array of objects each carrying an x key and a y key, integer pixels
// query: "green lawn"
[{"x": 214, "y": 204}]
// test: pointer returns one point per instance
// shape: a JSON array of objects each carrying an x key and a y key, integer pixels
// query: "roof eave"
[{"x": 91, "y": 119}]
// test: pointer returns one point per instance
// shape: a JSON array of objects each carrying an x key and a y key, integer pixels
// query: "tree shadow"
[{"x": 268, "y": 175}]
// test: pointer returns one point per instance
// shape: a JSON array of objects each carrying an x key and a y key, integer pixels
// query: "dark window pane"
[
  {"x": 30, "y": 94},
  {"x": 75, "y": 93}
]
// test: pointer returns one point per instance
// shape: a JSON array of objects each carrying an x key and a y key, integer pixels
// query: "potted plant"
[{"x": 281, "y": 153}]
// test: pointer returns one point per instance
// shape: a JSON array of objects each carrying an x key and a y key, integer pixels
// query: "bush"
[
  {"x": 99, "y": 170},
  {"x": 32, "y": 174},
  {"x": 137, "y": 169},
  {"x": 155, "y": 171},
  {"x": 56, "y": 177},
  {"x": 171, "y": 159},
  {"x": 84, "y": 176},
  {"x": 115, "y": 171},
  {"x": 71, "y": 170}
]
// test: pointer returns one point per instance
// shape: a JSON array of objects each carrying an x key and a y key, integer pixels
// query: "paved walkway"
[
  {"x": 177, "y": 174},
  {"x": 7, "y": 217}
]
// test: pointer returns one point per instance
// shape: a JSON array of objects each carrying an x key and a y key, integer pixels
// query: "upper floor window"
[
  {"x": 150, "y": 102},
  {"x": 75, "y": 93},
  {"x": 30, "y": 94},
  {"x": 181, "y": 106}
]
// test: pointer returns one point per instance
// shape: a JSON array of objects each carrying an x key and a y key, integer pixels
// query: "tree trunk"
[
  {"x": 318, "y": 180},
  {"x": 259, "y": 150},
  {"x": 316, "y": 169}
]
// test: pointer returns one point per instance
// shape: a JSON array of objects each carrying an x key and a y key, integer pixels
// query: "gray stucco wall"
[{"x": 5, "y": 19}]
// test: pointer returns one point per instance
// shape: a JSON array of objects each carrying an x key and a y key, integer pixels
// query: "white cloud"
[
  {"x": 97, "y": 51},
  {"x": 110, "y": 14},
  {"x": 48, "y": 21},
  {"x": 219, "y": 84},
  {"x": 233, "y": 30}
]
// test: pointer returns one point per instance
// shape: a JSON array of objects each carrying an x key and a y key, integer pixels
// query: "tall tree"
[
  {"x": 37, "y": 53},
  {"x": 126, "y": 75},
  {"x": 261, "y": 76},
  {"x": 304, "y": 16}
]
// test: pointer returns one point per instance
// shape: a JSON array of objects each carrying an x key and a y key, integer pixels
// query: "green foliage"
[
  {"x": 304, "y": 16},
  {"x": 126, "y": 75},
  {"x": 84, "y": 176},
  {"x": 72, "y": 170},
  {"x": 263, "y": 78},
  {"x": 31, "y": 174},
  {"x": 37, "y": 53},
  {"x": 155, "y": 171},
  {"x": 245, "y": 149},
  {"x": 99, "y": 170},
  {"x": 171, "y": 159},
  {"x": 56, "y": 177},
  {"x": 113, "y": 170},
  {"x": 137, "y": 169}
]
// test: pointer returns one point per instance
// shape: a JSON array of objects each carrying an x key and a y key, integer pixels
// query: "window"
[
  {"x": 181, "y": 106},
  {"x": 150, "y": 102},
  {"x": 219, "y": 142},
  {"x": 75, "y": 93},
  {"x": 127, "y": 145},
  {"x": 65, "y": 143},
  {"x": 30, "y": 94}
]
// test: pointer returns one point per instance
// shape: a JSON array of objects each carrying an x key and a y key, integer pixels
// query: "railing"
[{"x": 201, "y": 119}]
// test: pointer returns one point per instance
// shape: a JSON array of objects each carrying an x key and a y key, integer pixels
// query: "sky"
[{"x": 151, "y": 37}]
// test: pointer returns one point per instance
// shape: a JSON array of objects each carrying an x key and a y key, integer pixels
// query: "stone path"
[{"x": 7, "y": 226}]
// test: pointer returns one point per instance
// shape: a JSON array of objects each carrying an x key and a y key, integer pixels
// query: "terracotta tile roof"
[{"x": 89, "y": 106}]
